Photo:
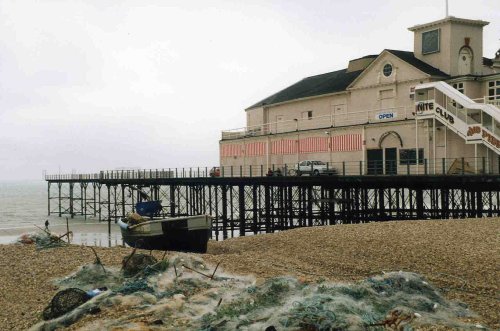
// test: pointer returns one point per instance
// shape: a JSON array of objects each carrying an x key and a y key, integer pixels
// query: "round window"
[{"x": 387, "y": 70}]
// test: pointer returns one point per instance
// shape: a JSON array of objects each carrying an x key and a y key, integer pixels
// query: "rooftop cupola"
[{"x": 452, "y": 45}]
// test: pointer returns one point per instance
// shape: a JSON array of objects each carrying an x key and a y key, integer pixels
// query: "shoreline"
[
  {"x": 459, "y": 257},
  {"x": 83, "y": 233}
]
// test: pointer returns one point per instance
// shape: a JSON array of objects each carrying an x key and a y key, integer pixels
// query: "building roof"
[
  {"x": 410, "y": 58},
  {"x": 337, "y": 81},
  {"x": 447, "y": 19},
  {"x": 487, "y": 62},
  {"x": 331, "y": 82},
  {"x": 366, "y": 57}
]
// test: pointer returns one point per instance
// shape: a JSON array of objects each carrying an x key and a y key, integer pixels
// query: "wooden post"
[
  {"x": 71, "y": 199},
  {"x": 255, "y": 201},
  {"x": 420, "y": 203},
  {"x": 48, "y": 198},
  {"x": 172, "y": 201},
  {"x": 109, "y": 201},
  {"x": 224, "y": 211},
  {"x": 309, "y": 206},
  {"x": 267, "y": 207},
  {"x": 67, "y": 229}
]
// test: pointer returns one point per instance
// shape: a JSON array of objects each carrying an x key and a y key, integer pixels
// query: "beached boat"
[{"x": 186, "y": 234}]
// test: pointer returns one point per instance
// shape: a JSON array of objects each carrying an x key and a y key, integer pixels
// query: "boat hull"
[{"x": 189, "y": 234}]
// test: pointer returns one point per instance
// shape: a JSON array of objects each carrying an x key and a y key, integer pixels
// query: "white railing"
[
  {"x": 321, "y": 122},
  {"x": 412, "y": 166},
  {"x": 467, "y": 115},
  {"x": 489, "y": 100}
]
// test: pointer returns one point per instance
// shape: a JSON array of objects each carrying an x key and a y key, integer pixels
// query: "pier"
[{"x": 241, "y": 205}]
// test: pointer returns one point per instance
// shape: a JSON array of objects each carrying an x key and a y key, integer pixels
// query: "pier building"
[
  {"x": 430, "y": 116},
  {"x": 388, "y": 113}
]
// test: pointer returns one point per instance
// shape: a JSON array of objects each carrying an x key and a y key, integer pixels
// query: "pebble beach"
[{"x": 460, "y": 257}]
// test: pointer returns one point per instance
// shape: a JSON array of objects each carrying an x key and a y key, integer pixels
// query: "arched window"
[{"x": 465, "y": 61}]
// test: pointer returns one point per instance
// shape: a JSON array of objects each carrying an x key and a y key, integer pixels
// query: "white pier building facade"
[{"x": 433, "y": 110}]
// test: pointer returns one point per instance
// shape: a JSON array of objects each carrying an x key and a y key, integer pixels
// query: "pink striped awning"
[
  {"x": 313, "y": 145},
  {"x": 255, "y": 149},
  {"x": 284, "y": 147},
  {"x": 340, "y": 143},
  {"x": 346, "y": 143},
  {"x": 228, "y": 150}
]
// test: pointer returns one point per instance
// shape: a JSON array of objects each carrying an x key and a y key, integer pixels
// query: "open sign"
[{"x": 385, "y": 116}]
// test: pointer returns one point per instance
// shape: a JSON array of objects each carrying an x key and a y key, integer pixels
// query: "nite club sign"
[{"x": 422, "y": 108}]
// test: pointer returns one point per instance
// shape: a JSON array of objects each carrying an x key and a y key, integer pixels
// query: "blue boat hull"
[{"x": 148, "y": 208}]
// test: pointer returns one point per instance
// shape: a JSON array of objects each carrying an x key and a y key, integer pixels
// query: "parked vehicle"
[{"x": 312, "y": 168}]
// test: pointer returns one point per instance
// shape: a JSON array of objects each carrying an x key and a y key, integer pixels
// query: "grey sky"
[{"x": 90, "y": 85}]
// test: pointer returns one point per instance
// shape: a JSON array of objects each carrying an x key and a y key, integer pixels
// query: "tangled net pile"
[
  {"x": 183, "y": 293},
  {"x": 42, "y": 240}
]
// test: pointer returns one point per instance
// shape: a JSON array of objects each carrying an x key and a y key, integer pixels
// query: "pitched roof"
[
  {"x": 331, "y": 82},
  {"x": 338, "y": 81},
  {"x": 410, "y": 58},
  {"x": 371, "y": 56},
  {"x": 487, "y": 62}
]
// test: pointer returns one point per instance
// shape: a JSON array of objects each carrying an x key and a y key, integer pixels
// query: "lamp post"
[
  {"x": 328, "y": 133},
  {"x": 297, "y": 143}
]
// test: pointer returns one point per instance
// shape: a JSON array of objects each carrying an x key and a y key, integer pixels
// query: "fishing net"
[
  {"x": 134, "y": 218},
  {"x": 185, "y": 294},
  {"x": 134, "y": 263},
  {"x": 139, "y": 285},
  {"x": 400, "y": 300},
  {"x": 42, "y": 240},
  {"x": 91, "y": 276},
  {"x": 290, "y": 305},
  {"x": 158, "y": 267}
]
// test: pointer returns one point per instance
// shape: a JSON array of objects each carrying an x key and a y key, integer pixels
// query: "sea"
[{"x": 23, "y": 209}]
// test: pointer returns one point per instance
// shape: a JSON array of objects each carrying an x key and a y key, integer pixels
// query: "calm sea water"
[{"x": 23, "y": 204}]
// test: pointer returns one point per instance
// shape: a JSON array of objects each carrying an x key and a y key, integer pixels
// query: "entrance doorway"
[
  {"x": 375, "y": 160},
  {"x": 391, "y": 161}
]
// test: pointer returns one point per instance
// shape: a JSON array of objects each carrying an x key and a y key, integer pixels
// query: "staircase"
[{"x": 476, "y": 123}]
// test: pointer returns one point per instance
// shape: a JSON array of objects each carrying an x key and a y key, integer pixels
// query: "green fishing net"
[{"x": 183, "y": 293}]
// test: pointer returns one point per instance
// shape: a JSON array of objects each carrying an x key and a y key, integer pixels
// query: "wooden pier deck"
[{"x": 243, "y": 205}]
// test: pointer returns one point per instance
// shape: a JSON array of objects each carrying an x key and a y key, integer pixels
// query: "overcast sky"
[{"x": 90, "y": 85}]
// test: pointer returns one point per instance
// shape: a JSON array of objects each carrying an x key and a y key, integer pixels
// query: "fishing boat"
[{"x": 186, "y": 234}]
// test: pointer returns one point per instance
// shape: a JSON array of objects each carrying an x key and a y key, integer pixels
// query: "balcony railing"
[
  {"x": 441, "y": 166},
  {"x": 489, "y": 100},
  {"x": 321, "y": 122}
]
